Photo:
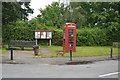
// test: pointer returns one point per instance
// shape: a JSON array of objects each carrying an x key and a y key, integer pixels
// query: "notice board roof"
[{"x": 43, "y": 30}]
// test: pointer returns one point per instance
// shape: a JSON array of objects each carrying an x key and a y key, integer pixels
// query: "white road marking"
[{"x": 108, "y": 74}]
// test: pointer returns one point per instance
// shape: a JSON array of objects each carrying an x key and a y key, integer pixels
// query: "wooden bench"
[{"x": 22, "y": 44}]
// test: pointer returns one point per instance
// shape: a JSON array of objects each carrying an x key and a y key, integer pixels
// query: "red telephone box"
[{"x": 69, "y": 37}]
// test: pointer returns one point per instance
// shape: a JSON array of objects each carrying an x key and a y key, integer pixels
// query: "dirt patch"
[
  {"x": 80, "y": 62},
  {"x": 45, "y": 52},
  {"x": 11, "y": 62},
  {"x": 90, "y": 61},
  {"x": 59, "y": 53}
]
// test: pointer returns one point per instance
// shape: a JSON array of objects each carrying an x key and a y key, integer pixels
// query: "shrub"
[
  {"x": 21, "y": 30},
  {"x": 113, "y": 32},
  {"x": 57, "y": 37},
  {"x": 91, "y": 37}
]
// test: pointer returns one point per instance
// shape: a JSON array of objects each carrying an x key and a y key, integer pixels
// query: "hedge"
[
  {"x": 85, "y": 36},
  {"x": 91, "y": 37}
]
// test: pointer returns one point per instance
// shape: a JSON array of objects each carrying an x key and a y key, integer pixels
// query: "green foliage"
[
  {"x": 95, "y": 14},
  {"x": 21, "y": 30},
  {"x": 12, "y": 11},
  {"x": 57, "y": 37},
  {"x": 52, "y": 15},
  {"x": 98, "y": 24},
  {"x": 91, "y": 37},
  {"x": 17, "y": 31},
  {"x": 113, "y": 32}
]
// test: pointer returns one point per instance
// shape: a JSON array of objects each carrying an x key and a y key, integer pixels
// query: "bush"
[
  {"x": 17, "y": 31},
  {"x": 57, "y": 37},
  {"x": 91, "y": 37},
  {"x": 21, "y": 30},
  {"x": 113, "y": 32}
]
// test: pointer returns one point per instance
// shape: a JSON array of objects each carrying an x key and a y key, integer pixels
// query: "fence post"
[
  {"x": 11, "y": 54},
  {"x": 111, "y": 52}
]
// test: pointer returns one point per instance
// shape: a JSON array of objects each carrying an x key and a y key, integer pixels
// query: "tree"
[
  {"x": 76, "y": 14},
  {"x": 13, "y": 11},
  {"x": 94, "y": 14},
  {"x": 52, "y": 15},
  {"x": 104, "y": 15}
]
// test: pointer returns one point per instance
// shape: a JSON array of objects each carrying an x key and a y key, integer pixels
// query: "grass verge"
[{"x": 85, "y": 51}]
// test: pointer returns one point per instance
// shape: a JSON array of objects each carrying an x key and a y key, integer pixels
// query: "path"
[
  {"x": 27, "y": 57},
  {"x": 45, "y": 52}
]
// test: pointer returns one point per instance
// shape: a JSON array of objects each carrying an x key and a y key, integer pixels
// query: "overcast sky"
[{"x": 37, "y": 4}]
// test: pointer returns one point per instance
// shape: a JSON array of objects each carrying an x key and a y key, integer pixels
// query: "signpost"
[
  {"x": 43, "y": 34},
  {"x": 70, "y": 52}
]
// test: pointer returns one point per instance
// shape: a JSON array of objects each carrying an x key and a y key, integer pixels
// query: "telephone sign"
[{"x": 69, "y": 37}]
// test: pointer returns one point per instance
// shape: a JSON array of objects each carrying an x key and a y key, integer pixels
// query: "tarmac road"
[{"x": 101, "y": 69}]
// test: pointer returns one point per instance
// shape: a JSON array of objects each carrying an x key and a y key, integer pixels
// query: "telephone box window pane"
[
  {"x": 70, "y": 40},
  {"x": 71, "y": 37},
  {"x": 71, "y": 30}
]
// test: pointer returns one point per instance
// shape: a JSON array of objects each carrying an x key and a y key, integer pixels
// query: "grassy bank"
[{"x": 85, "y": 51}]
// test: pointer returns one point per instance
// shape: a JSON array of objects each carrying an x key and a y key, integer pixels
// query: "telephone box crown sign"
[{"x": 70, "y": 25}]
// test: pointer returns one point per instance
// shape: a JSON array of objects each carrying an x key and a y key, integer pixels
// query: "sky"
[{"x": 37, "y": 4}]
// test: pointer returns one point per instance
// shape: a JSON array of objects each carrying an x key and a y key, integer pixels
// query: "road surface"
[{"x": 101, "y": 69}]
